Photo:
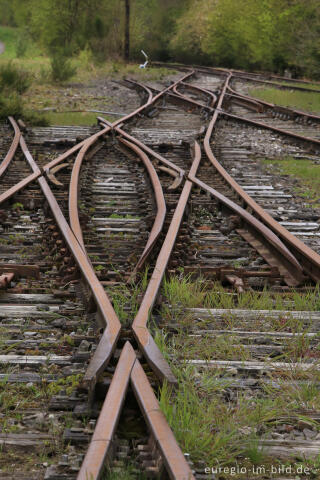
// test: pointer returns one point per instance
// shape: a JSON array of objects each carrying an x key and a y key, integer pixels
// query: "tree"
[{"x": 127, "y": 31}]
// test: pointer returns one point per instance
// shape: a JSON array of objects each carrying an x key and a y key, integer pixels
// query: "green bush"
[
  {"x": 61, "y": 68},
  {"x": 22, "y": 45},
  {"x": 13, "y": 79},
  {"x": 10, "y": 105}
]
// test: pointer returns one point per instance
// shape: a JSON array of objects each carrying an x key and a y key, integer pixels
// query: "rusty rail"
[
  {"x": 139, "y": 326},
  {"x": 160, "y": 202},
  {"x": 106, "y": 311},
  {"x": 129, "y": 368},
  {"x": 308, "y": 258},
  {"x": 13, "y": 147},
  {"x": 266, "y": 105}
]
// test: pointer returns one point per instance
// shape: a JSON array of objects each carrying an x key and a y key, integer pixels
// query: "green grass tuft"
[
  {"x": 307, "y": 101},
  {"x": 304, "y": 170}
]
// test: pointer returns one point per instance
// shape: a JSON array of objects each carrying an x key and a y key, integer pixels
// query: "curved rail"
[
  {"x": 161, "y": 204},
  {"x": 107, "y": 313},
  {"x": 13, "y": 147},
  {"x": 73, "y": 187},
  {"x": 128, "y": 370},
  {"x": 265, "y": 104},
  {"x": 139, "y": 326},
  {"x": 198, "y": 89},
  {"x": 309, "y": 259},
  {"x": 177, "y": 171}
]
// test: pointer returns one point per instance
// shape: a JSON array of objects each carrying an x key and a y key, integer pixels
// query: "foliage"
[
  {"x": 61, "y": 68},
  {"x": 247, "y": 34},
  {"x": 14, "y": 79}
]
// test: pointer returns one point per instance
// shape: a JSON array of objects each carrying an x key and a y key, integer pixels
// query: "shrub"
[
  {"x": 22, "y": 45},
  {"x": 10, "y": 105},
  {"x": 61, "y": 68},
  {"x": 14, "y": 79}
]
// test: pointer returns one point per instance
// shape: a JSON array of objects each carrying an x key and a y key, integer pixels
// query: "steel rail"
[
  {"x": 258, "y": 226},
  {"x": 309, "y": 259},
  {"x": 290, "y": 265},
  {"x": 128, "y": 370},
  {"x": 175, "y": 462},
  {"x": 74, "y": 185},
  {"x": 13, "y": 147},
  {"x": 96, "y": 363},
  {"x": 46, "y": 168},
  {"x": 204, "y": 90},
  {"x": 274, "y": 84},
  {"x": 294, "y": 270},
  {"x": 273, "y": 129},
  {"x": 274, "y": 106},
  {"x": 241, "y": 100},
  {"x": 179, "y": 171},
  {"x": 23, "y": 183},
  {"x": 198, "y": 89},
  {"x": 160, "y": 202},
  {"x": 108, "y": 316},
  {"x": 93, "y": 464},
  {"x": 74, "y": 181},
  {"x": 139, "y": 326},
  {"x": 306, "y": 253}
]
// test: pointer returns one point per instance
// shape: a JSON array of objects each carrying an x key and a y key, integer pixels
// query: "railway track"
[{"x": 92, "y": 219}]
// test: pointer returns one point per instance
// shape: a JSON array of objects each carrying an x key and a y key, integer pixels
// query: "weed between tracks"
[
  {"x": 305, "y": 171},
  {"x": 307, "y": 101},
  {"x": 215, "y": 420}
]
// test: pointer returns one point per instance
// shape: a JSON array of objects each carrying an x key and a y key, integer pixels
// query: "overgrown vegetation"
[
  {"x": 185, "y": 292},
  {"x": 61, "y": 67},
  {"x": 268, "y": 34},
  {"x": 15, "y": 81},
  {"x": 307, "y": 101},
  {"x": 304, "y": 170},
  {"x": 213, "y": 419}
]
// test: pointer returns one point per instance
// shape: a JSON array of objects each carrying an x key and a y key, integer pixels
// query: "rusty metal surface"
[
  {"x": 213, "y": 97},
  {"x": 107, "y": 313},
  {"x": 273, "y": 84},
  {"x": 191, "y": 100},
  {"x": 144, "y": 147},
  {"x": 291, "y": 265},
  {"x": 274, "y": 129},
  {"x": 94, "y": 461},
  {"x": 313, "y": 259},
  {"x": 189, "y": 86},
  {"x": 175, "y": 462},
  {"x": 160, "y": 202},
  {"x": 129, "y": 367},
  {"x": 13, "y": 147},
  {"x": 74, "y": 186},
  {"x": 263, "y": 103},
  {"x": 139, "y": 325}
]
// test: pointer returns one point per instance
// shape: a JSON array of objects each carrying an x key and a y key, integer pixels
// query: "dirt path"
[{"x": 2, "y": 47}]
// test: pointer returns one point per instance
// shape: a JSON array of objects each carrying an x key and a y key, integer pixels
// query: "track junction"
[{"x": 170, "y": 187}]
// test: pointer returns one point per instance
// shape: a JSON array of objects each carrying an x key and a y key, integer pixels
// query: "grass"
[
  {"x": 311, "y": 86},
  {"x": 66, "y": 98},
  {"x": 71, "y": 118},
  {"x": 128, "y": 472},
  {"x": 126, "y": 297},
  {"x": 10, "y": 37},
  {"x": 307, "y": 101},
  {"x": 306, "y": 171},
  {"x": 208, "y": 421},
  {"x": 183, "y": 291}
]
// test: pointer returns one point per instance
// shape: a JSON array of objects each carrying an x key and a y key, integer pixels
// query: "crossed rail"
[{"x": 129, "y": 369}]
